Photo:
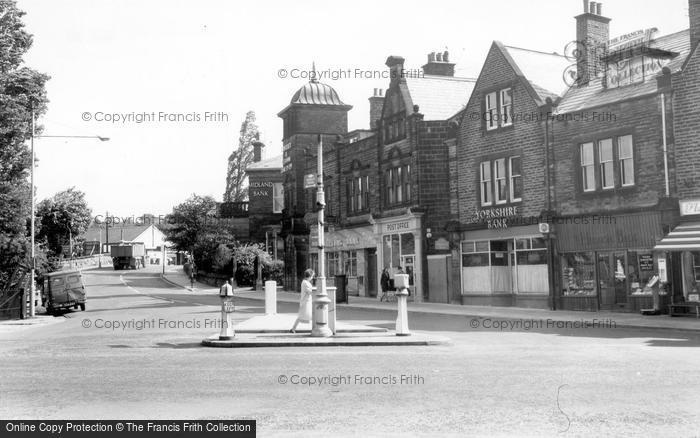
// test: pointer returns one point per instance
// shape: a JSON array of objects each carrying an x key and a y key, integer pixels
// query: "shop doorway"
[
  {"x": 612, "y": 280},
  {"x": 371, "y": 272},
  {"x": 438, "y": 279}
]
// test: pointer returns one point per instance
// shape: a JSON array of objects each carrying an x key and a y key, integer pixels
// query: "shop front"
[
  {"x": 610, "y": 262},
  {"x": 505, "y": 267},
  {"x": 351, "y": 252},
  {"x": 401, "y": 250},
  {"x": 682, "y": 246}
]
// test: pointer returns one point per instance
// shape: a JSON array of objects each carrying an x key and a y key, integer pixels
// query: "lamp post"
[
  {"x": 32, "y": 307},
  {"x": 320, "y": 324}
]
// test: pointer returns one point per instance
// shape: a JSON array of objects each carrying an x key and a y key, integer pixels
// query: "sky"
[{"x": 169, "y": 81}]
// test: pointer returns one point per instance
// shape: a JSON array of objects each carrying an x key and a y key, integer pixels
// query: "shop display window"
[{"x": 578, "y": 274}]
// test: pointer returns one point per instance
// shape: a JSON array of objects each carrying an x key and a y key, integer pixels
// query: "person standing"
[
  {"x": 384, "y": 282},
  {"x": 304, "y": 314}
]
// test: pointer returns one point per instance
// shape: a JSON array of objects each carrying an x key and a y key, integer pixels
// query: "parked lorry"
[{"x": 128, "y": 255}]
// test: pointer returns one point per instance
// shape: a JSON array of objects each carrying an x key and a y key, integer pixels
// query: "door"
[
  {"x": 619, "y": 261},
  {"x": 371, "y": 258},
  {"x": 437, "y": 279},
  {"x": 612, "y": 280}
]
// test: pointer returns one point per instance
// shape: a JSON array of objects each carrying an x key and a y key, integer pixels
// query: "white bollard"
[
  {"x": 331, "y": 308},
  {"x": 227, "y": 308},
  {"x": 270, "y": 297},
  {"x": 401, "y": 283}
]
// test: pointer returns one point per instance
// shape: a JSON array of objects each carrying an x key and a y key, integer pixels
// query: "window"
[
  {"x": 332, "y": 263},
  {"x": 398, "y": 185},
  {"x": 605, "y": 154},
  {"x": 587, "y": 169},
  {"x": 624, "y": 152},
  {"x": 607, "y": 164},
  {"x": 491, "y": 111},
  {"x": 578, "y": 274},
  {"x": 358, "y": 193},
  {"x": 351, "y": 263},
  {"x": 499, "y": 167},
  {"x": 394, "y": 128},
  {"x": 516, "y": 180},
  {"x": 277, "y": 197},
  {"x": 498, "y": 107},
  {"x": 486, "y": 185},
  {"x": 506, "y": 107}
]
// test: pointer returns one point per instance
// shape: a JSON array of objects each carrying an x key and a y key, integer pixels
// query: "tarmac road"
[{"x": 135, "y": 353}]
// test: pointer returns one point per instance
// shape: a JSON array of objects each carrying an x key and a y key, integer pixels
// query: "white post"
[
  {"x": 32, "y": 308},
  {"x": 227, "y": 308},
  {"x": 401, "y": 283},
  {"x": 270, "y": 297},
  {"x": 321, "y": 301}
]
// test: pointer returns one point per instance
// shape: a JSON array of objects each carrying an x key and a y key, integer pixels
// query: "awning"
[{"x": 685, "y": 237}]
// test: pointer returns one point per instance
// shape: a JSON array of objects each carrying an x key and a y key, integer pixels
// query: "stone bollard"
[
  {"x": 270, "y": 297},
  {"x": 401, "y": 283}
]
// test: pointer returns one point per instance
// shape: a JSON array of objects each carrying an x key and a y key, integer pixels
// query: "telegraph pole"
[{"x": 32, "y": 307}]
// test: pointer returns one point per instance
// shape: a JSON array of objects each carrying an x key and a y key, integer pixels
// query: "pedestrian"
[
  {"x": 304, "y": 314},
  {"x": 384, "y": 282}
]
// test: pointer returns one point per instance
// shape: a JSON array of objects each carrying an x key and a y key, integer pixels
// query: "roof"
[
  {"x": 128, "y": 232},
  {"x": 267, "y": 164},
  {"x": 596, "y": 94},
  {"x": 316, "y": 93},
  {"x": 544, "y": 71},
  {"x": 439, "y": 97}
]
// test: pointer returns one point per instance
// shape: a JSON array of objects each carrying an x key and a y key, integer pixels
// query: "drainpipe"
[{"x": 663, "y": 129}]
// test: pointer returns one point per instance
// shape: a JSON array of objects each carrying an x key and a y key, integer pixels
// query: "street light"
[{"x": 32, "y": 307}]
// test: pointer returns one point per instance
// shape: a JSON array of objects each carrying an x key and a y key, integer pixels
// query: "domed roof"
[{"x": 316, "y": 93}]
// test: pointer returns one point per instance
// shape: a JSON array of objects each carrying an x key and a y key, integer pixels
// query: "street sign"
[{"x": 309, "y": 181}]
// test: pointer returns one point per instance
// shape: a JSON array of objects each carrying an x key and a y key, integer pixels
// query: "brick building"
[
  {"x": 501, "y": 257},
  {"x": 615, "y": 177},
  {"x": 387, "y": 189},
  {"x": 265, "y": 199}
]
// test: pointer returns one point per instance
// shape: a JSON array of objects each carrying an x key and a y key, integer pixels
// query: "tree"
[
  {"x": 64, "y": 214},
  {"x": 238, "y": 161},
  {"x": 189, "y": 221},
  {"x": 21, "y": 90}
]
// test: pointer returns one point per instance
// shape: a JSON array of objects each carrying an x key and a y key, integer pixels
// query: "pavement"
[{"x": 485, "y": 314}]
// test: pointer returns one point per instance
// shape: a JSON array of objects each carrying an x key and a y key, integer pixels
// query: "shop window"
[
  {"x": 351, "y": 263},
  {"x": 578, "y": 274},
  {"x": 475, "y": 254},
  {"x": 332, "y": 264},
  {"x": 640, "y": 270},
  {"x": 396, "y": 247},
  {"x": 499, "y": 253},
  {"x": 531, "y": 251},
  {"x": 696, "y": 266}
]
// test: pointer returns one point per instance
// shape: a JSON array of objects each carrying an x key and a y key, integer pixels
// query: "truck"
[{"x": 128, "y": 255}]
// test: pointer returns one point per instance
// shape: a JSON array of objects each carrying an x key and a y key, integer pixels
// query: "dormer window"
[{"x": 394, "y": 128}]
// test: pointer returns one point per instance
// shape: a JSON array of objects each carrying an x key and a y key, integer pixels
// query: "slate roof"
[
  {"x": 544, "y": 71},
  {"x": 595, "y": 94},
  {"x": 267, "y": 164},
  {"x": 439, "y": 97}
]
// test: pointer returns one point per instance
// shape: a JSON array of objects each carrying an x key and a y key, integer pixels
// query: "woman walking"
[{"x": 304, "y": 314}]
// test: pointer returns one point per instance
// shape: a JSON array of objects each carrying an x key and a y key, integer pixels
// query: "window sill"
[{"x": 608, "y": 192}]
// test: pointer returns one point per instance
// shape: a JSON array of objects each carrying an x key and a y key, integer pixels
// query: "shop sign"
[
  {"x": 442, "y": 244},
  {"x": 495, "y": 218},
  {"x": 663, "y": 277},
  {"x": 260, "y": 189},
  {"x": 690, "y": 207},
  {"x": 309, "y": 181},
  {"x": 399, "y": 227},
  {"x": 646, "y": 262}
]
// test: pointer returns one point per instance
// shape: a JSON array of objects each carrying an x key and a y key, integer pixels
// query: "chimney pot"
[
  {"x": 599, "y": 8},
  {"x": 592, "y": 7},
  {"x": 438, "y": 57},
  {"x": 446, "y": 56},
  {"x": 585, "y": 6}
]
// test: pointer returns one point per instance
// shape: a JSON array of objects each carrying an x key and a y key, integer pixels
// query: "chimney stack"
[
  {"x": 439, "y": 64},
  {"x": 395, "y": 64},
  {"x": 257, "y": 151},
  {"x": 694, "y": 15},
  {"x": 376, "y": 105},
  {"x": 592, "y": 35}
]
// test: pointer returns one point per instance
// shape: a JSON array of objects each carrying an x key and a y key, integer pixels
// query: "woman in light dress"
[{"x": 304, "y": 314}]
